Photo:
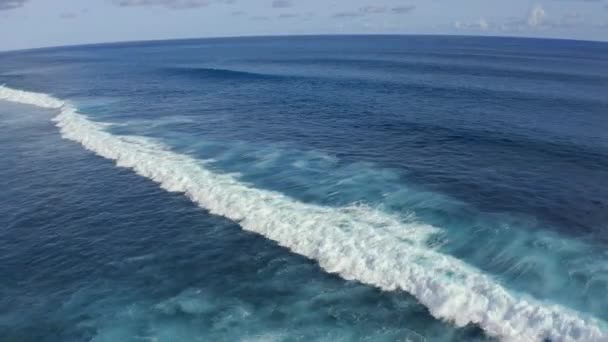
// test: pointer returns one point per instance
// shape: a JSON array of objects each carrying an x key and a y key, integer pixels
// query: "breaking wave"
[{"x": 356, "y": 242}]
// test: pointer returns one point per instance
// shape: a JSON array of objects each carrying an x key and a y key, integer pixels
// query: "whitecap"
[{"x": 356, "y": 242}]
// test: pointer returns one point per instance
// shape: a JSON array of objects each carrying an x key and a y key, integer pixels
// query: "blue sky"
[{"x": 36, "y": 23}]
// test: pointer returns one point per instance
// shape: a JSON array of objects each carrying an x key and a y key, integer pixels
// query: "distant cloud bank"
[
  {"x": 281, "y": 4},
  {"x": 11, "y": 4},
  {"x": 367, "y": 10},
  {"x": 173, "y": 4}
]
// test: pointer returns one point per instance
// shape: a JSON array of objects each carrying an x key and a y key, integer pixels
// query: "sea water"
[{"x": 370, "y": 188}]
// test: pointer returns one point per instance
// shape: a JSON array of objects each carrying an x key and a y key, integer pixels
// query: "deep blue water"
[{"x": 381, "y": 188}]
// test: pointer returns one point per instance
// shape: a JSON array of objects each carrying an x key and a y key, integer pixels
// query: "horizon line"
[{"x": 157, "y": 40}]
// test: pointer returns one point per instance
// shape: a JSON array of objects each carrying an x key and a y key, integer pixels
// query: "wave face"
[{"x": 356, "y": 242}]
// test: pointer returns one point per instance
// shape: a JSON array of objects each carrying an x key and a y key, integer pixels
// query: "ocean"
[{"x": 311, "y": 188}]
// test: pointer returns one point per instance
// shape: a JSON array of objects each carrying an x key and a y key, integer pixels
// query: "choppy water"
[{"x": 310, "y": 188}]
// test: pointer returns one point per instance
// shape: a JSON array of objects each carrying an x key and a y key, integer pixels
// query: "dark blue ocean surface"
[{"x": 382, "y": 188}]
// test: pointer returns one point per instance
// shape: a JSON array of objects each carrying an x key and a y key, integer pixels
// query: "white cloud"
[
  {"x": 483, "y": 24},
  {"x": 479, "y": 25},
  {"x": 536, "y": 16}
]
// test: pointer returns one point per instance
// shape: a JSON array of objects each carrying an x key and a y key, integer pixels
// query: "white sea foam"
[
  {"x": 355, "y": 242},
  {"x": 25, "y": 97}
]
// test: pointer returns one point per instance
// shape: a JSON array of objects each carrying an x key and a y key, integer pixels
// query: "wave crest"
[{"x": 356, "y": 242}]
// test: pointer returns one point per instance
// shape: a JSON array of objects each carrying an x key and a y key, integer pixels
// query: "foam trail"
[{"x": 355, "y": 242}]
